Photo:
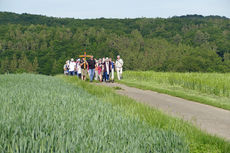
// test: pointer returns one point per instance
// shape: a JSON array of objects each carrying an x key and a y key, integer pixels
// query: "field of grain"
[
  {"x": 208, "y": 88},
  {"x": 197, "y": 140},
  {"x": 45, "y": 114}
]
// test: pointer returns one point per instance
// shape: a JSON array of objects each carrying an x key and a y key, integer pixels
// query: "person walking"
[
  {"x": 91, "y": 64},
  {"x": 103, "y": 69},
  {"x": 100, "y": 69},
  {"x": 78, "y": 68},
  {"x": 72, "y": 66},
  {"x": 119, "y": 65},
  {"x": 112, "y": 69},
  {"x": 96, "y": 70},
  {"x": 107, "y": 69},
  {"x": 75, "y": 68},
  {"x": 84, "y": 66}
]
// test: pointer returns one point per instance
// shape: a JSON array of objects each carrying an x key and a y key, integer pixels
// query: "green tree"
[
  {"x": 177, "y": 39},
  {"x": 200, "y": 37},
  {"x": 187, "y": 43},
  {"x": 24, "y": 64},
  {"x": 35, "y": 65},
  {"x": 5, "y": 66},
  {"x": 13, "y": 64},
  {"x": 0, "y": 47},
  {"x": 54, "y": 68}
]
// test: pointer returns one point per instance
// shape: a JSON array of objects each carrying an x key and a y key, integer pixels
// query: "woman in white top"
[{"x": 119, "y": 65}]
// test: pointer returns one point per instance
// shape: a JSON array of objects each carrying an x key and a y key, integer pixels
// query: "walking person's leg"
[
  {"x": 112, "y": 73},
  {"x": 92, "y": 74},
  {"x": 106, "y": 76},
  {"x": 79, "y": 75},
  {"x": 121, "y": 77},
  {"x": 96, "y": 75},
  {"x": 100, "y": 77},
  {"x": 85, "y": 74},
  {"x": 82, "y": 74},
  {"x": 118, "y": 74}
]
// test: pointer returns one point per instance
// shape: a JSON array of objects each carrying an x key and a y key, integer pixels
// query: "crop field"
[
  {"x": 198, "y": 141},
  {"x": 63, "y": 114},
  {"x": 208, "y": 88},
  {"x": 45, "y": 114}
]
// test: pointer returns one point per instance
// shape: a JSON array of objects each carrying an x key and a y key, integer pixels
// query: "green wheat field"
[
  {"x": 63, "y": 114},
  {"x": 209, "y": 88}
]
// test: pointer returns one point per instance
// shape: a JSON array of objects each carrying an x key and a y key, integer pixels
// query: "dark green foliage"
[{"x": 187, "y": 43}]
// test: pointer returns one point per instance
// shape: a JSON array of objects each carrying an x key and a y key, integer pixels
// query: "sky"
[{"x": 117, "y": 8}]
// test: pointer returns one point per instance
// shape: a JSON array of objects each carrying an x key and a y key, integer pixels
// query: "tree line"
[
  {"x": 20, "y": 65},
  {"x": 40, "y": 44}
]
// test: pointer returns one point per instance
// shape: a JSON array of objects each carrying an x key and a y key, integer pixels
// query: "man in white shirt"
[
  {"x": 72, "y": 66},
  {"x": 119, "y": 65}
]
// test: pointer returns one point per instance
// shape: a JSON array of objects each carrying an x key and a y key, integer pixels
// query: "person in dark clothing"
[{"x": 91, "y": 63}]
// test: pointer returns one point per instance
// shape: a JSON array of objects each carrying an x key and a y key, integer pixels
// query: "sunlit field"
[
  {"x": 45, "y": 114},
  {"x": 64, "y": 114},
  {"x": 208, "y": 88},
  {"x": 197, "y": 140}
]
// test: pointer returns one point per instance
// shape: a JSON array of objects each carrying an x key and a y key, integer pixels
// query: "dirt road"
[{"x": 213, "y": 120}]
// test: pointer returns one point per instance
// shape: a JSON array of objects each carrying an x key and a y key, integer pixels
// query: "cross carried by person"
[{"x": 85, "y": 58}]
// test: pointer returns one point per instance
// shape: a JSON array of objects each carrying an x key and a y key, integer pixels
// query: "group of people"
[{"x": 101, "y": 69}]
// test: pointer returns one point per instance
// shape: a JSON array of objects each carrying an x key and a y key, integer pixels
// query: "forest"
[{"x": 41, "y": 44}]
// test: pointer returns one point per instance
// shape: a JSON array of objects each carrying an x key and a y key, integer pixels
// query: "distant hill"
[{"x": 181, "y": 43}]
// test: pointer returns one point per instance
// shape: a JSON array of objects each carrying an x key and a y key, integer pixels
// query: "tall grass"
[
  {"x": 199, "y": 141},
  {"x": 209, "y": 88},
  {"x": 45, "y": 114}
]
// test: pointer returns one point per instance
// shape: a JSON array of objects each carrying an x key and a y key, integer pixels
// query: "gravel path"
[{"x": 211, "y": 119}]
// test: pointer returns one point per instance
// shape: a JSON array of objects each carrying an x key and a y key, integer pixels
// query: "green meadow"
[
  {"x": 208, "y": 88},
  {"x": 64, "y": 114}
]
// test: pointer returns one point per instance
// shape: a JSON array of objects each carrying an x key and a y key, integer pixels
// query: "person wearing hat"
[
  {"x": 72, "y": 66},
  {"x": 119, "y": 65}
]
